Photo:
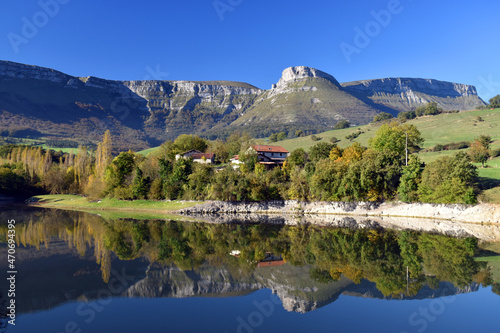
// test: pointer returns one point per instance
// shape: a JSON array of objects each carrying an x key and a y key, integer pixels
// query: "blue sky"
[{"x": 254, "y": 40}]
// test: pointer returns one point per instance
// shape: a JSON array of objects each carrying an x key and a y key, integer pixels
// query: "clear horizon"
[{"x": 253, "y": 41}]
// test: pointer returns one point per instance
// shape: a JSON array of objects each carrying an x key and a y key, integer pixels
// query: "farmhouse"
[
  {"x": 276, "y": 154},
  {"x": 197, "y": 156},
  {"x": 270, "y": 156}
]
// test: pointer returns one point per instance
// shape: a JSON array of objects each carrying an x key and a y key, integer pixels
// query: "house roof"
[
  {"x": 267, "y": 149},
  {"x": 197, "y": 156},
  {"x": 192, "y": 151}
]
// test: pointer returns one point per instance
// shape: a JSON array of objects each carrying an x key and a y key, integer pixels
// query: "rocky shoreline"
[
  {"x": 482, "y": 213},
  {"x": 480, "y": 221}
]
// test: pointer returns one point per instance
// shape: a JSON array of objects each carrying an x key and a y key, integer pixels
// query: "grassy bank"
[{"x": 113, "y": 208}]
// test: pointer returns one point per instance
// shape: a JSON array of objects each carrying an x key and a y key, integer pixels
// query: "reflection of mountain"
[
  {"x": 75, "y": 248},
  {"x": 297, "y": 291},
  {"x": 171, "y": 281},
  {"x": 55, "y": 275}
]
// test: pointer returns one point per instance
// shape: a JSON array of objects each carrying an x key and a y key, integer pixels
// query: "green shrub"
[
  {"x": 438, "y": 148},
  {"x": 354, "y": 135},
  {"x": 316, "y": 138},
  {"x": 382, "y": 116},
  {"x": 406, "y": 115},
  {"x": 342, "y": 124}
]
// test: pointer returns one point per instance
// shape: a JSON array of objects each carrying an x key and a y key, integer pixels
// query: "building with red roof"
[{"x": 270, "y": 156}]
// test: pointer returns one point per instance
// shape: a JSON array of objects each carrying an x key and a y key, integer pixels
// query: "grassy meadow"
[
  {"x": 114, "y": 208},
  {"x": 440, "y": 129}
]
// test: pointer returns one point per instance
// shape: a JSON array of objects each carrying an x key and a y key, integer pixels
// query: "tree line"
[{"x": 378, "y": 172}]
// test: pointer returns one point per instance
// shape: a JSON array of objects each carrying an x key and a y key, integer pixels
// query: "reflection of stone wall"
[
  {"x": 452, "y": 220},
  {"x": 488, "y": 232}
]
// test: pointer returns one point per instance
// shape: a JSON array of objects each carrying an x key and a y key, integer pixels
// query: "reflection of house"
[
  {"x": 271, "y": 260},
  {"x": 197, "y": 156},
  {"x": 270, "y": 156},
  {"x": 235, "y": 253}
]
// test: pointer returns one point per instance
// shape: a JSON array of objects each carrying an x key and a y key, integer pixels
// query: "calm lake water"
[{"x": 79, "y": 272}]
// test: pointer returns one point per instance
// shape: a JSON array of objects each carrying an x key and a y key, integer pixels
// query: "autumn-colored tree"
[
  {"x": 82, "y": 163},
  {"x": 352, "y": 153},
  {"x": 103, "y": 155},
  {"x": 95, "y": 187},
  {"x": 336, "y": 153},
  {"x": 479, "y": 152}
]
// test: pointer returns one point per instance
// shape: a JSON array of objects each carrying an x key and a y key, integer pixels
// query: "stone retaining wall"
[{"x": 482, "y": 213}]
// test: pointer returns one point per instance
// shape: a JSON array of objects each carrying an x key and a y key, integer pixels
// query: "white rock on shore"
[{"x": 480, "y": 221}]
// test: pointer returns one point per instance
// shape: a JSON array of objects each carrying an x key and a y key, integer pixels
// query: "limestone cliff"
[
  {"x": 139, "y": 113},
  {"x": 144, "y": 113},
  {"x": 403, "y": 94}
]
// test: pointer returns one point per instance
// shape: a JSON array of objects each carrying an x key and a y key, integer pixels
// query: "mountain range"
[{"x": 43, "y": 102}]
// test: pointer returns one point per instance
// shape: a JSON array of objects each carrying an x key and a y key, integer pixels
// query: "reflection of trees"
[
  {"x": 3, "y": 316},
  {"x": 496, "y": 288},
  {"x": 380, "y": 256},
  {"x": 450, "y": 259},
  {"x": 79, "y": 230}
]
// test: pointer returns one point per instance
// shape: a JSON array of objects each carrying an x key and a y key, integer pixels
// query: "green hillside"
[
  {"x": 308, "y": 103},
  {"x": 440, "y": 129}
]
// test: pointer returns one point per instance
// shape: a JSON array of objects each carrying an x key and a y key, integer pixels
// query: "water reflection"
[{"x": 71, "y": 255}]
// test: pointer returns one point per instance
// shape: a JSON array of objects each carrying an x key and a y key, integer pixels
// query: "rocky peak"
[
  {"x": 298, "y": 73},
  {"x": 401, "y": 85},
  {"x": 404, "y": 94},
  {"x": 14, "y": 70}
]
